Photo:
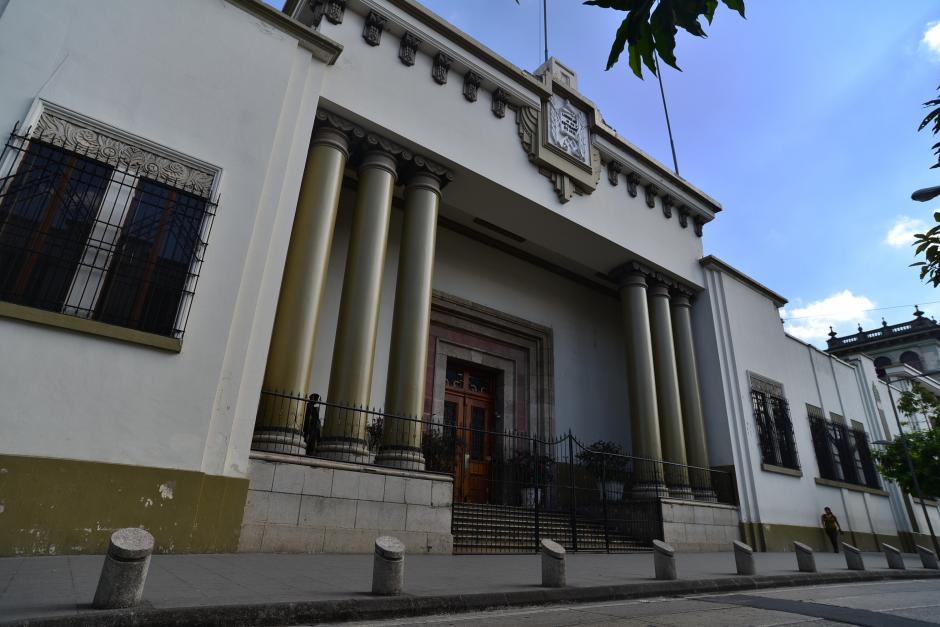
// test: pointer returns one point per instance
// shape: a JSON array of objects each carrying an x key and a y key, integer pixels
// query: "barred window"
[
  {"x": 774, "y": 427},
  {"x": 843, "y": 453},
  {"x": 99, "y": 229}
]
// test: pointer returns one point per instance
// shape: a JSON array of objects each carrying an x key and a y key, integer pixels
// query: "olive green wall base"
[
  {"x": 770, "y": 537},
  {"x": 909, "y": 540},
  {"x": 57, "y": 506}
]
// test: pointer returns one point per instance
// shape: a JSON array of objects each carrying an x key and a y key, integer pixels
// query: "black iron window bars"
[
  {"x": 90, "y": 237},
  {"x": 843, "y": 454}
]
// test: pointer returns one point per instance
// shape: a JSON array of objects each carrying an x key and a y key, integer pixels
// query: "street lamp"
[
  {"x": 925, "y": 194},
  {"x": 907, "y": 454}
]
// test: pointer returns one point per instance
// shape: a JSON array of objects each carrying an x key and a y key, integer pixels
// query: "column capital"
[
  {"x": 328, "y": 120},
  {"x": 330, "y": 136},
  {"x": 682, "y": 296},
  {"x": 632, "y": 273},
  {"x": 381, "y": 159},
  {"x": 419, "y": 179}
]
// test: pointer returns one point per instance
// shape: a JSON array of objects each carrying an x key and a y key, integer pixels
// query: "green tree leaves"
[
  {"x": 650, "y": 28},
  {"x": 933, "y": 118},
  {"x": 922, "y": 446}
]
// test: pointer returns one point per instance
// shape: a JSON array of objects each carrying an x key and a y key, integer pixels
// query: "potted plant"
[
  {"x": 534, "y": 470},
  {"x": 374, "y": 431},
  {"x": 607, "y": 462}
]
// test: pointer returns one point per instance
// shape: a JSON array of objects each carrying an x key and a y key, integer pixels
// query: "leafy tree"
[
  {"x": 650, "y": 28},
  {"x": 923, "y": 446},
  {"x": 928, "y": 244}
]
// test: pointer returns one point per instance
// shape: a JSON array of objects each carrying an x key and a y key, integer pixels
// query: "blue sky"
[{"x": 801, "y": 120}]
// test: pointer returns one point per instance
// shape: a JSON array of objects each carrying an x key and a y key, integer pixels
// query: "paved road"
[{"x": 879, "y": 604}]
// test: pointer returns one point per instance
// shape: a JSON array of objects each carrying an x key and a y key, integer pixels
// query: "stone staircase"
[{"x": 485, "y": 528}]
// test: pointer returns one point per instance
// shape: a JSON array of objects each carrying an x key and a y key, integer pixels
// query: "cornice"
[
  {"x": 322, "y": 47},
  {"x": 715, "y": 263}
]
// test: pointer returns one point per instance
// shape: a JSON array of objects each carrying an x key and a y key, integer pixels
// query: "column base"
[
  {"x": 344, "y": 450},
  {"x": 683, "y": 492},
  {"x": 706, "y": 495},
  {"x": 404, "y": 458},
  {"x": 649, "y": 491},
  {"x": 278, "y": 440}
]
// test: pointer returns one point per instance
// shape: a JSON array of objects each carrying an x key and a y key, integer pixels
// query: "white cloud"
[
  {"x": 902, "y": 232},
  {"x": 932, "y": 39},
  {"x": 811, "y": 322}
]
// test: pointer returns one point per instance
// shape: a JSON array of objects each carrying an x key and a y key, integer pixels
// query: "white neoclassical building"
[{"x": 289, "y": 280}]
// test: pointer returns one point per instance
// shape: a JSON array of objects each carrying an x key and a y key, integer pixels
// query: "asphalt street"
[{"x": 877, "y": 604}]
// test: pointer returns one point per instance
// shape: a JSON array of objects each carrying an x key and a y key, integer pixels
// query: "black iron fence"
[{"x": 510, "y": 488}]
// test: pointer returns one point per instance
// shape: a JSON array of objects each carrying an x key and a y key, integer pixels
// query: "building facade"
[{"x": 209, "y": 215}]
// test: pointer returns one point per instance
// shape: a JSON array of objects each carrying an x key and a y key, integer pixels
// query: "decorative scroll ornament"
[
  {"x": 96, "y": 145},
  {"x": 697, "y": 224},
  {"x": 408, "y": 49},
  {"x": 471, "y": 84},
  {"x": 332, "y": 10},
  {"x": 440, "y": 68},
  {"x": 668, "y": 202},
  {"x": 527, "y": 125},
  {"x": 651, "y": 192},
  {"x": 632, "y": 182},
  {"x": 352, "y": 131},
  {"x": 372, "y": 29},
  {"x": 500, "y": 100},
  {"x": 684, "y": 217},
  {"x": 568, "y": 129},
  {"x": 614, "y": 168}
]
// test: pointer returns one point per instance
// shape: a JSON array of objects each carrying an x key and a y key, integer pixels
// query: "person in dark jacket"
[{"x": 831, "y": 524}]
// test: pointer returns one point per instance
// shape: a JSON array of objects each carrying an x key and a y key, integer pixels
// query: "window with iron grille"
[
  {"x": 97, "y": 227},
  {"x": 774, "y": 427},
  {"x": 843, "y": 453}
]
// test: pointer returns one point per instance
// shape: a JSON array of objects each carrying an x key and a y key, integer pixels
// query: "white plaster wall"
[
  {"x": 208, "y": 80},
  {"x": 372, "y": 83},
  {"x": 589, "y": 358},
  {"x": 748, "y": 322}
]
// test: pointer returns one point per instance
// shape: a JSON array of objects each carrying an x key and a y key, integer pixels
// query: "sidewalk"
[{"x": 280, "y": 589}]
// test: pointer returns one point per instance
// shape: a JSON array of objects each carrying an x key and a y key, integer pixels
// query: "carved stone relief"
[
  {"x": 97, "y": 145},
  {"x": 683, "y": 217},
  {"x": 372, "y": 30},
  {"x": 408, "y": 49},
  {"x": 651, "y": 192},
  {"x": 332, "y": 10},
  {"x": 471, "y": 83},
  {"x": 614, "y": 168},
  {"x": 500, "y": 100},
  {"x": 568, "y": 129},
  {"x": 440, "y": 68},
  {"x": 668, "y": 202},
  {"x": 632, "y": 181}
]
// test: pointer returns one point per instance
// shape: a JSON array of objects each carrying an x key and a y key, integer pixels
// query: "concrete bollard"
[
  {"x": 893, "y": 556},
  {"x": 927, "y": 557},
  {"x": 853, "y": 557},
  {"x": 553, "y": 564},
  {"x": 743, "y": 558},
  {"x": 388, "y": 566},
  {"x": 124, "y": 572},
  {"x": 664, "y": 560},
  {"x": 805, "y": 559}
]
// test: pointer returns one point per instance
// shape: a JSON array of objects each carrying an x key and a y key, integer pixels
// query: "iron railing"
[
  {"x": 86, "y": 235},
  {"x": 510, "y": 488}
]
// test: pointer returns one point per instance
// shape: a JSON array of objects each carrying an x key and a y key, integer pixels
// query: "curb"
[{"x": 375, "y": 608}]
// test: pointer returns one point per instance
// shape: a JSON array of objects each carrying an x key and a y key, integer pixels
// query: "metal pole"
[
  {"x": 910, "y": 467},
  {"x": 662, "y": 92},
  {"x": 573, "y": 496},
  {"x": 538, "y": 490},
  {"x": 545, "y": 26},
  {"x": 604, "y": 499}
]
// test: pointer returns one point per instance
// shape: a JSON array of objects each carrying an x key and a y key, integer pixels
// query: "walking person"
[{"x": 833, "y": 529}]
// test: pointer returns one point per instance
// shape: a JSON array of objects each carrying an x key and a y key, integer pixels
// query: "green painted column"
[
  {"x": 644, "y": 412},
  {"x": 404, "y": 396},
  {"x": 344, "y": 430},
  {"x": 667, "y": 393},
  {"x": 279, "y": 425},
  {"x": 693, "y": 418}
]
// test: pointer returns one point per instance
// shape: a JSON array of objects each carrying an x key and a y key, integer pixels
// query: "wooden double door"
[{"x": 468, "y": 408}]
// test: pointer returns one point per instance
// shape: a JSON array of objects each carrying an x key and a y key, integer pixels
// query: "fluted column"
[
  {"x": 404, "y": 394},
  {"x": 279, "y": 426},
  {"x": 667, "y": 393},
  {"x": 643, "y": 408},
  {"x": 344, "y": 431},
  {"x": 693, "y": 419}
]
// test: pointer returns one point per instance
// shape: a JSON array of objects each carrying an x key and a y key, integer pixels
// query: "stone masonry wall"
[
  {"x": 308, "y": 505},
  {"x": 694, "y": 526}
]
